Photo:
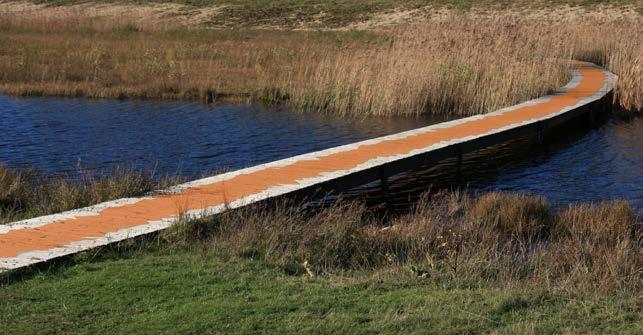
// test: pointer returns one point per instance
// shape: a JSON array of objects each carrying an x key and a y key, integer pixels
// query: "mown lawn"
[{"x": 183, "y": 292}]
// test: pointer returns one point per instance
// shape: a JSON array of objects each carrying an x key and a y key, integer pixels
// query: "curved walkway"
[{"x": 36, "y": 240}]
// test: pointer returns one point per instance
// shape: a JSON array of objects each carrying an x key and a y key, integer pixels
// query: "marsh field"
[
  {"x": 457, "y": 261},
  {"x": 446, "y": 61}
]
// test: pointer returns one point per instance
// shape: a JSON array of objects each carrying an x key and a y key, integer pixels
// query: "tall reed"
[
  {"x": 460, "y": 64},
  {"x": 25, "y": 193},
  {"x": 618, "y": 46}
]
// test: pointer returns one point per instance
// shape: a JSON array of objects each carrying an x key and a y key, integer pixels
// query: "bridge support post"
[
  {"x": 540, "y": 132},
  {"x": 459, "y": 166},
  {"x": 592, "y": 119},
  {"x": 385, "y": 189}
]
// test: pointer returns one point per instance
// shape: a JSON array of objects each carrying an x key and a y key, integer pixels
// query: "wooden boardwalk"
[{"x": 44, "y": 238}]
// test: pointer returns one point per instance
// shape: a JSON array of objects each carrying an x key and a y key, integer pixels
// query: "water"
[
  {"x": 63, "y": 136},
  {"x": 603, "y": 163}
]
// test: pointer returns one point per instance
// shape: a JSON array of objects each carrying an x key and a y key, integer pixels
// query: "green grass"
[
  {"x": 183, "y": 292},
  {"x": 497, "y": 263},
  {"x": 451, "y": 266}
]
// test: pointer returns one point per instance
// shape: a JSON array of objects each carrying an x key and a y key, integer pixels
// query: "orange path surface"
[{"x": 66, "y": 231}]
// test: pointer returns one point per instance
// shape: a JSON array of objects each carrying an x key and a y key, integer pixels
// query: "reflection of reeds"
[
  {"x": 495, "y": 238},
  {"x": 460, "y": 65}
]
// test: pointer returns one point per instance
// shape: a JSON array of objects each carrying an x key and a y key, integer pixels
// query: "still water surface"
[
  {"x": 59, "y": 135},
  {"x": 62, "y": 136},
  {"x": 603, "y": 163}
]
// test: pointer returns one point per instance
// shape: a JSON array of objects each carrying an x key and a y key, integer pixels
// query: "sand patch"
[{"x": 441, "y": 14}]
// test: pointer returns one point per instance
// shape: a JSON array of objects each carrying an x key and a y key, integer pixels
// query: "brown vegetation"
[
  {"x": 459, "y": 64},
  {"x": 26, "y": 193},
  {"x": 454, "y": 238}
]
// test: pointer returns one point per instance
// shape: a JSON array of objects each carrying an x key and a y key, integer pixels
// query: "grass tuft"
[{"x": 520, "y": 216}]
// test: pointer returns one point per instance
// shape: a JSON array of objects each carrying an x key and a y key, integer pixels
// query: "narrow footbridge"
[{"x": 44, "y": 238}]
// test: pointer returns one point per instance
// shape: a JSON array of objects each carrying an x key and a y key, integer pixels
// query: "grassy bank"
[
  {"x": 458, "y": 63},
  {"x": 26, "y": 193},
  {"x": 458, "y": 263},
  {"x": 186, "y": 293},
  {"x": 497, "y": 239}
]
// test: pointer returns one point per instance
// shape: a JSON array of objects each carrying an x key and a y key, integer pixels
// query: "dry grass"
[
  {"x": 454, "y": 238},
  {"x": 462, "y": 64},
  {"x": 496, "y": 239},
  {"x": 26, "y": 193},
  {"x": 618, "y": 46}
]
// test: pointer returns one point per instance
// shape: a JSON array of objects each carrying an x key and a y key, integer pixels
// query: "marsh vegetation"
[
  {"x": 459, "y": 63},
  {"x": 459, "y": 262},
  {"x": 457, "y": 238},
  {"x": 26, "y": 193}
]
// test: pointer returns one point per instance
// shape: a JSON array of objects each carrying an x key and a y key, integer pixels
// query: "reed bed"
[
  {"x": 619, "y": 49},
  {"x": 459, "y": 67},
  {"x": 462, "y": 64},
  {"x": 453, "y": 238},
  {"x": 26, "y": 193}
]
